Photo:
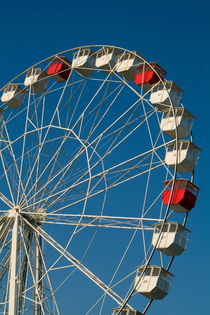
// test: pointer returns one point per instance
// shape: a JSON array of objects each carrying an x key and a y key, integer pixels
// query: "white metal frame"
[{"x": 43, "y": 186}]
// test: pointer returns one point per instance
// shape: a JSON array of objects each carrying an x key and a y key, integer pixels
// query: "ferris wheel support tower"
[
  {"x": 38, "y": 276},
  {"x": 13, "y": 265}
]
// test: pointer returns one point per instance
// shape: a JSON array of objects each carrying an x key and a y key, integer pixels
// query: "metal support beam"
[
  {"x": 78, "y": 264},
  {"x": 13, "y": 269},
  {"x": 38, "y": 275}
]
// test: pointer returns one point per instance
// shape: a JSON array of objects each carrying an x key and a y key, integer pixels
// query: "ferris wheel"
[{"x": 97, "y": 179}]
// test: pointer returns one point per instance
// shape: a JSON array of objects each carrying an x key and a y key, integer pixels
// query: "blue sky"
[{"x": 176, "y": 35}]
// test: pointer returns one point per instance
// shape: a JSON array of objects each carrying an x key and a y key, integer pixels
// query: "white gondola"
[
  {"x": 165, "y": 94},
  {"x": 13, "y": 96},
  {"x": 154, "y": 283},
  {"x": 37, "y": 79},
  {"x": 177, "y": 118},
  {"x": 106, "y": 58},
  {"x": 125, "y": 311},
  {"x": 127, "y": 64},
  {"x": 186, "y": 156},
  {"x": 84, "y": 61},
  {"x": 173, "y": 239}
]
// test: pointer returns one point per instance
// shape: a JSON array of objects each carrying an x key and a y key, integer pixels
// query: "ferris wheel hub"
[{"x": 14, "y": 211}]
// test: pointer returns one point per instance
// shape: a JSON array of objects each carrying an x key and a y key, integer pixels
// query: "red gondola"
[
  {"x": 184, "y": 195},
  {"x": 60, "y": 69},
  {"x": 149, "y": 74}
]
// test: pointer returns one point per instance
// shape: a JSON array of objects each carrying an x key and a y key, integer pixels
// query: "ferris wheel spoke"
[
  {"x": 122, "y": 173},
  {"x": 95, "y": 194},
  {"x": 104, "y": 133},
  {"x": 144, "y": 205},
  {"x": 40, "y": 139},
  {"x": 137, "y": 93},
  {"x": 141, "y": 94},
  {"x": 39, "y": 132},
  {"x": 61, "y": 171},
  {"x": 82, "y": 150},
  {"x": 120, "y": 130},
  {"x": 154, "y": 143},
  {"x": 115, "y": 92},
  {"x": 103, "y": 296},
  {"x": 95, "y": 124},
  {"x": 13, "y": 157},
  {"x": 4, "y": 198},
  {"x": 76, "y": 263},
  {"x": 68, "y": 117},
  {"x": 47, "y": 132},
  {"x": 113, "y": 123},
  {"x": 119, "y": 118},
  {"x": 87, "y": 193},
  {"x": 8, "y": 174},
  {"x": 53, "y": 89},
  {"x": 53, "y": 160},
  {"x": 105, "y": 172},
  {"x": 85, "y": 199},
  {"x": 86, "y": 221},
  {"x": 92, "y": 99},
  {"x": 23, "y": 147},
  {"x": 116, "y": 183}
]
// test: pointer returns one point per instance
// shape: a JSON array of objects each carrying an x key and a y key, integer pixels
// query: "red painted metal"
[
  {"x": 146, "y": 75},
  {"x": 184, "y": 194},
  {"x": 60, "y": 68}
]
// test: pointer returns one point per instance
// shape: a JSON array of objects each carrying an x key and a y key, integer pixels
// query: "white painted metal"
[
  {"x": 125, "y": 311},
  {"x": 173, "y": 239},
  {"x": 98, "y": 221},
  {"x": 126, "y": 65},
  {"x": 183, "y": 122},
  {"x": 52, "y": 180},
  {"x": 84, "y": 61},
  {"x": 106, "y": 58},
  {"x": 77, "y": 264},
  {"x": 37, "y": 79},
  {"x": 5, "y": 226},
  {"x": 165, "y": 94},
  {"x": 154, "y": 283},
  {"x": 13, "y": 96},
  {"x": 38, "y": 294},
  {"x": 185, "y": 156},
  {"x": 13, "y": 282}
]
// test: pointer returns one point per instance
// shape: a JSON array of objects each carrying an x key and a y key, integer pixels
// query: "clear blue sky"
[{"x": 176, "y": 34}]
